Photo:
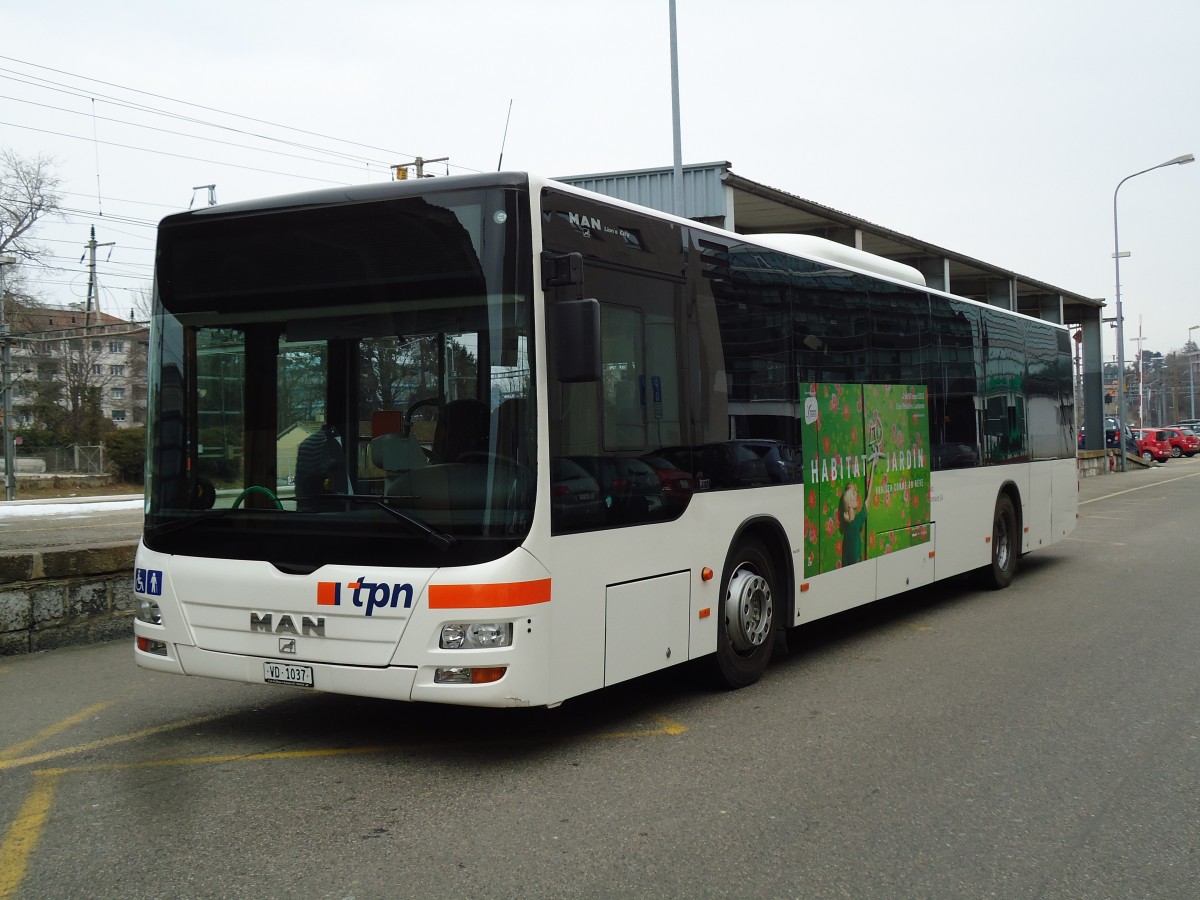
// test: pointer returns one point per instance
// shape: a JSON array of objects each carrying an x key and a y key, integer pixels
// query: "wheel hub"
[{"x": 748, "y": 610}]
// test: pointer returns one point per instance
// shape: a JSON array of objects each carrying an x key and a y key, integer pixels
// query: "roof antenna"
[{"x": 504, "y": 140}]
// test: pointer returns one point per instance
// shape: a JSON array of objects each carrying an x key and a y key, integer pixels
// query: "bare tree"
[{"x": 28, "y": 193}]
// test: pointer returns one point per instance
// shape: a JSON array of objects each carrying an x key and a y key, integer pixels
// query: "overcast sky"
[{"x": 996, "y": 129}]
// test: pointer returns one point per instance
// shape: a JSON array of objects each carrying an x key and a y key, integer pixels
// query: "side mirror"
[{"x": 577, "y": 340}]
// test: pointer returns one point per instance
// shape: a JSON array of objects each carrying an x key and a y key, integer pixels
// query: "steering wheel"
[
  {"x": 428, "y": 401},
  {"x": 257, "y": 489}
]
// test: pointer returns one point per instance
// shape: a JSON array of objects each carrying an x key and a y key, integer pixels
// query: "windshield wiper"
[
  {"x": 439, "y": 539},
  {"x": 207, "y": 515}
]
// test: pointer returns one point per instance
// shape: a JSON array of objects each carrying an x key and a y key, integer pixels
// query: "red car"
[
  {"x": 1183, "y": 441},
  {"x": 1150, "y": 446},
  {"x": 677, "y": 485}
]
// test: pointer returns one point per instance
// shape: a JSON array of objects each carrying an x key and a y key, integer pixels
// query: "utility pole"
[
  {"x": 10, "y": 476},
  {"x": 91, "y": 294},
  {"x": 400, "y": 171},
  {"x": 1141, "y": 376}
]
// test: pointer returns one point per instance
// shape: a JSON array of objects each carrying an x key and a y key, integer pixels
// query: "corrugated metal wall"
[{"x": 704, "y": 192}]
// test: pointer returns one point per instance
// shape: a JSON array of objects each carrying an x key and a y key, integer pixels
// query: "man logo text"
[{"x": 310, "y": 626}]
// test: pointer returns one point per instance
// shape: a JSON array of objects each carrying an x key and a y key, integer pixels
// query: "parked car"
[
  {"x": 717, "y": 466},
  {"x": 575, "y": 499},
  {"x": 630, "y": 489},
  {"x": 778, "y": 456},
  {"x": 957, "y": 455},
  {"x": 1111, "y": 430},
  {"x": 1183, "y": 441},
  {"x": 1151, "y": 448},
  {"x": 677, "y": 485}
]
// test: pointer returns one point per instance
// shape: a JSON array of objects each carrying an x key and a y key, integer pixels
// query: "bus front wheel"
[
  {"x": 1005, "y": 549},
  {"x": 746, "y": 616}
]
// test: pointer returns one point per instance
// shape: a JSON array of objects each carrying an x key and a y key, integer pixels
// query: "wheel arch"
[{"x": 1013, "y": 492}]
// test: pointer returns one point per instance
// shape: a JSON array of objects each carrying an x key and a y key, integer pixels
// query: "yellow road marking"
[
  {"x": 24, "y": 833},
  {"x": 17, "y": 749},
  {"x": 106, "y": 742},
  {"x": 665, "y": 726},
  {"x": 224, "y": 758},
  {"x": 26, "y": 830}
]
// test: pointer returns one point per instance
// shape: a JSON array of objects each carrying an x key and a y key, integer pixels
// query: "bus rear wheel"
[
  {"x": 1005, "y": 550},
  {"x": 746, "y": 618}
]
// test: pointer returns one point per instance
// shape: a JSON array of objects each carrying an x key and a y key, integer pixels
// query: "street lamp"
[
  {"x": 1177, "y": 161},
  {"x": 10, "y": 478},
  {"x": 1192, "y": 370}
]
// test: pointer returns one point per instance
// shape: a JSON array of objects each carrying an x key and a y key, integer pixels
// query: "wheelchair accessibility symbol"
[{"x": 147, "y": 581}]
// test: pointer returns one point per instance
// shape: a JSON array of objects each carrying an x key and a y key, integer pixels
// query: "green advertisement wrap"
[{"x": 865, "y": 451}]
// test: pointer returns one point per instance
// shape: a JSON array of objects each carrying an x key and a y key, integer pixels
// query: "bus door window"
[{"x": 600, "y": 432}]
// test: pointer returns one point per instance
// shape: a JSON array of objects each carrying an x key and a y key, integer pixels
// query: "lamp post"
[
  {"x": 1177, "y": 161},
  {"x": 10, "y": 478},
  {"x": 1192, "y": 371}
]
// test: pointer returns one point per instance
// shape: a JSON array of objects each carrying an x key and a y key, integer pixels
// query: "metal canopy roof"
[{"x": 715, "y": 194}]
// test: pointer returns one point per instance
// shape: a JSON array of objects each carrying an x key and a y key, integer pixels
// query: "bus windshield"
[{"x": 357, "y": 367}]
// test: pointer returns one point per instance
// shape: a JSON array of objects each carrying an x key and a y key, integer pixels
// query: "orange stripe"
[{"x": 479, "y": 596}]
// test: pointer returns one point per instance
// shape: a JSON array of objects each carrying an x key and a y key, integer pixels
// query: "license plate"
[{"x": 287, "y": 673}]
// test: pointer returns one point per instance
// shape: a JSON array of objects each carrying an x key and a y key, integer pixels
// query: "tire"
[
  {"x": 1176, "y": 452},
  {"x": 1005, "y": 549},
  {"x": 746, "y": 619},
  {"x": 1148, "y": 456}
]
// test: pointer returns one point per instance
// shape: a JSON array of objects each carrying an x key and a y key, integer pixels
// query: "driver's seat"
[{"x": 462, "y": 428}]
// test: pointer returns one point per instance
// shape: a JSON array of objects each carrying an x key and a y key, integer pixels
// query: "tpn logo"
[{"x": 363, "y": 593}]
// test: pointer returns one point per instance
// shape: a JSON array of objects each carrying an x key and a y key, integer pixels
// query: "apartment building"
[{"x": 87, "y": 355}]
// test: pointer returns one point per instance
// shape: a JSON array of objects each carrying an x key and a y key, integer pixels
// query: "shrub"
[{"x": 127, "y": 454}]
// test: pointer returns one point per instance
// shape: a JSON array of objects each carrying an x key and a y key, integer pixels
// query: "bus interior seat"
[
  {"x": 395, "y": 452},
  {"x": 462, "y": 428}
]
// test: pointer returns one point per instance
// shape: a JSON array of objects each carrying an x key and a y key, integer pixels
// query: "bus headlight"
[
  {"x": 476, "y": 635},
  {"x": 146, "y": 610}
]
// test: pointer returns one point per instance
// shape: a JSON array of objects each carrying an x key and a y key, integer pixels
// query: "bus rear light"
[{"x": 468, "y": 674}]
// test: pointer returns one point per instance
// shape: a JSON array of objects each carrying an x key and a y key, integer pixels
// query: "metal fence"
[{"x": 76, "y": 459}]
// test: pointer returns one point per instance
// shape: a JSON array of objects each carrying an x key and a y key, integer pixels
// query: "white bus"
[{"x": 493, "y": 440}]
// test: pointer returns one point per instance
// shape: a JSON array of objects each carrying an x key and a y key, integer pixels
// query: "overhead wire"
[
  {"x": 189, "y": 103},
  {"x": 75, "y": 112},
  {"x": 336, "y": 157}
]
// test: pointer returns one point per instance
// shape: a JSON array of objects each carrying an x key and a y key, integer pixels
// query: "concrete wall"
[{"x": 59, "y": 598}]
